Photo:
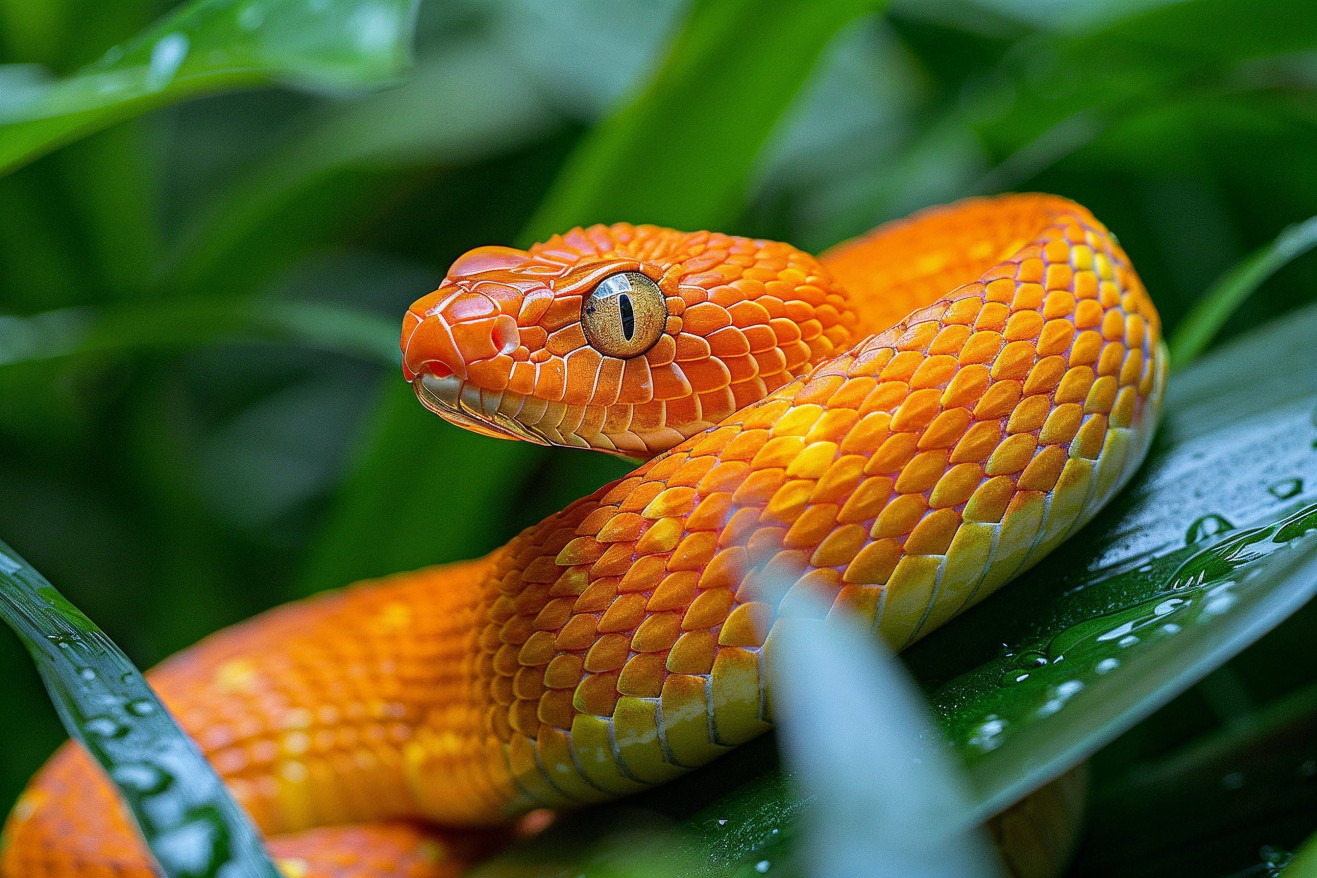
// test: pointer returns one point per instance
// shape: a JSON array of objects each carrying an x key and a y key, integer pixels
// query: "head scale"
[{"x": 624, "y": 338}]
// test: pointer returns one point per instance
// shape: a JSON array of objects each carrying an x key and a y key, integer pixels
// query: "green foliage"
[
  {"x": 184, "y": 442},
  {"x": 193, "y": 827}
]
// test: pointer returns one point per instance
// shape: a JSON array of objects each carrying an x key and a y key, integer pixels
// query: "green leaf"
[
  {"x": 681, "y": 153},
  {"x": 206, "y": 46},
  {"x": 1214, "y": 544},
  {"x": 80, "y": 331},
  {"x": 191, "y": 824},
  {"x": 1210, "y": 314}
]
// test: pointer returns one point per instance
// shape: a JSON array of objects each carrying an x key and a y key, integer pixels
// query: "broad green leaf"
[
  {"x": 682, "y": 152},
  {"x": 1214, "y": 544},
  {"x": 206, "y": 46},
  {"x": 79, "y": 331},
  {"x": 192, "y": 825}
]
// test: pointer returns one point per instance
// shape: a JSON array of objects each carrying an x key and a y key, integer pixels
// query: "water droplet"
[
  {"x": 9, "y": 566},
  {"x": 141, "y": 708},
  {"x": 1171, "y": 628},
  {"x": 1116, "y": 633},
  {"x": 87, "y": 674},
  {"x": 722, "y": 821},
  {"x": 1205, "y": 527},
  {"x": 987, "y": 735},
  {"x": 1069, "y": 688},
  {"x": 763, "y": 866},
  {"x": 1128, "y": 640},
  {"x": 1285, "y": 488},
  {"x": 1107, "y": 665},
  {"x": 1167, "y": 606},
  {"x": 141, "y": 777},
  {"x": 167, "y": 55},
  {"x": 105, "y": 727},
  {"x": 190, "y": 848}
]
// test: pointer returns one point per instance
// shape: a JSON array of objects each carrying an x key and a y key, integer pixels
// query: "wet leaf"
[
  {"x": 206, "y": 46},
  {"x": 192, "y": 825}
]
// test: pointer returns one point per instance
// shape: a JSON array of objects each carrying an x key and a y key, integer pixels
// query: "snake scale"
[{"x": 894, "y": 429}]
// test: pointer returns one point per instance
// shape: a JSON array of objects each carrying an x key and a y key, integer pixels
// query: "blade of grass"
[
  {"x": 76, "y": 331},
  {"x": 206, "y": 46},
  {"x": 681, "y": 152},
  {"x": 1210, "y": 314},
  {"x": 192, "y": 826}
]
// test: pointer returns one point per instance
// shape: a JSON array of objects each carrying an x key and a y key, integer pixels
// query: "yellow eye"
[{"x": 624, "y": 315}]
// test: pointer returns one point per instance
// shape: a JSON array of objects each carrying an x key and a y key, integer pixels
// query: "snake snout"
[{"x": 443, "y": 333}]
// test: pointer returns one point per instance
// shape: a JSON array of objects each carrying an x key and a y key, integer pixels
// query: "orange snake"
[{"x": 897, "y": 427}]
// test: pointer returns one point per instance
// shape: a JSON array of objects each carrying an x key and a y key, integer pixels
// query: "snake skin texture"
[{"x": 892, "y": 430}]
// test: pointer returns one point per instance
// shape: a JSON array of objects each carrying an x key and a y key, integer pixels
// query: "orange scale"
[
  {"x": 993, "y": 316},
  {"x": 875, "y": 563},
  {"x": 1074, "y": 386},
  {"x": 933, "y": 534},
  {"x": 886, "y": 397},
  {"x": 1001, "y": 289},
  {"x": 899, "y": 517},
  {"x": 935, "y": 371},
  {"x": 554, "y": 615},
  {"x": 644, "y": 575},
  {"x": 999, "y": 400},
  {"x": 1109, "y": 292},
  {"x": 1029, "y": 415},
  {"x": 711, "y": 513},
  {"x": 662, "y": 536},
  {"x": 868, "y": 433},
  {"x": 871, "y": 361},
  {"x": 963, "y": 311},
  {"x": 609, "y": 653},
  {"x": 840, "y": 546},
  {"x": 1059, "y": 277},
  {"x": 1056, "y": 338},
  {"x": 988, "y": 503},
  {"x": 615, "y": 561},
  {"x": 1109, "y": 362},
  {"x": 956, "y": 486},
  {"x": 895, "y": 452},
  {"x": 643, "y": 676},
  {"x": 621, "y": 526},
  {"x": 1059, "y": 304},
  {"x": 1088, "y": 315},
  {"x": 550, "y": 378},
  {"x": 966, "y": 387},
  {"x": 919, "y": 336},
  {"x": 1024, "y": 325},
  {"x": 693, "y": 654},
  {"x": 555, "y": 709},
  {"x": 739, "y": 528},
  {"x": 637, "y": 385},
  {"x": 727, "y": 342},
  {"x": 1030, "y": 269},
  {"x": 1086, "y": 285},
  {"x": 706, "y": 317},
  {"x": 674, "y": 592},
  {"x": 1057, "y": 250},
  {"x": 582, "y": 374},
  {"x": 922, "y": 472},
  {"x": 839, "y": 480},
  {"x": 682, "y": 410},
  {"x": 640, "y": 495},
  {"x": 759, "y": 487},
  {"x": 669, "y": 382},
  {"x": 1131, "y": 369},
  {"x": 951, "y": 340},
  {"x": 597, "y": 597},
  {"x": 811, "y": 527},
  {"x": 978, "y": 442},
  {"x": 1028, "y": 297},
  {"x": 657, "y": 633},
  {"x": 1044, "y": 470},
  {"x": 715, "y": 405},
  {"x": 709, "y": 608},
  {"x": 1113, "y": 325},
  {"x": 902, "y": 366},
  {"x": 694, "y": 551},
  {"x": 787, "y": 331},
  {"x": 981, "y": 347},
  {"x": 744, "y": 369},
  {"x": 1012, "y": 455},
  {"x": 749, "y": 314},
  {"x": 596, "y": 695},
  {"x": 820, "y": 390},
  {"x": 945, "y": 430},
  {"x": 1014, "y": 361},
  {"x": 1045, "y": 376}
]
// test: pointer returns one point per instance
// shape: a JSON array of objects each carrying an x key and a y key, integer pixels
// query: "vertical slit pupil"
[{"x": 628, "y": 316}]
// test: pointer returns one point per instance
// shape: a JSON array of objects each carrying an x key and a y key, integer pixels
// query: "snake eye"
[{"x": 624, "y": 315}]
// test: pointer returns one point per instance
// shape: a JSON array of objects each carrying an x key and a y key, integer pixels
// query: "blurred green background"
[{"x": 181, "y": 467}]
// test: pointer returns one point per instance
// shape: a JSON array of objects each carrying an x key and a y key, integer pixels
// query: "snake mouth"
[{"x": 487, "y": 412}]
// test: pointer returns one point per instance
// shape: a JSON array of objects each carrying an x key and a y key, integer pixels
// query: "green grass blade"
[
  {"x": 192, "y": 825},
  {"x": 682, "y": 152},
  {"x": 1211, "y": 313},
  {"x": 78, "y": 331},
  {"x": 206, "y": 46}
]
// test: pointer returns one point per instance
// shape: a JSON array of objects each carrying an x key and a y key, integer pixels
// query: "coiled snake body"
[{"x": 895, "y": 428}]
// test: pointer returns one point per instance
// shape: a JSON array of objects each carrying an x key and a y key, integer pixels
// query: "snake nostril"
[{"x": 428, "y": 348}]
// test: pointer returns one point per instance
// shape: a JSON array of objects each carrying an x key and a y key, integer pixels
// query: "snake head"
[{"x": 623, "y": 338}]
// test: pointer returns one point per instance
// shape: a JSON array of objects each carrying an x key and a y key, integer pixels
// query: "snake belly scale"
[{"x": 893, "y": 429}]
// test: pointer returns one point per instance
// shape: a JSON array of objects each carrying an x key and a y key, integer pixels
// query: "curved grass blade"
[
  {"x": 205, "y": 47},
  {"x": 682, "y": 152},
  {"x": 1212, "y": 545},
  {"x": 78, "y": 331},
  {"x": 1211, "y": 312},
  {"x": 192, "y": 826}
]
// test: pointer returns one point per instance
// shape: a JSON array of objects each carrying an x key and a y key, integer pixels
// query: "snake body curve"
[{"x": 894, "y": 429}]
